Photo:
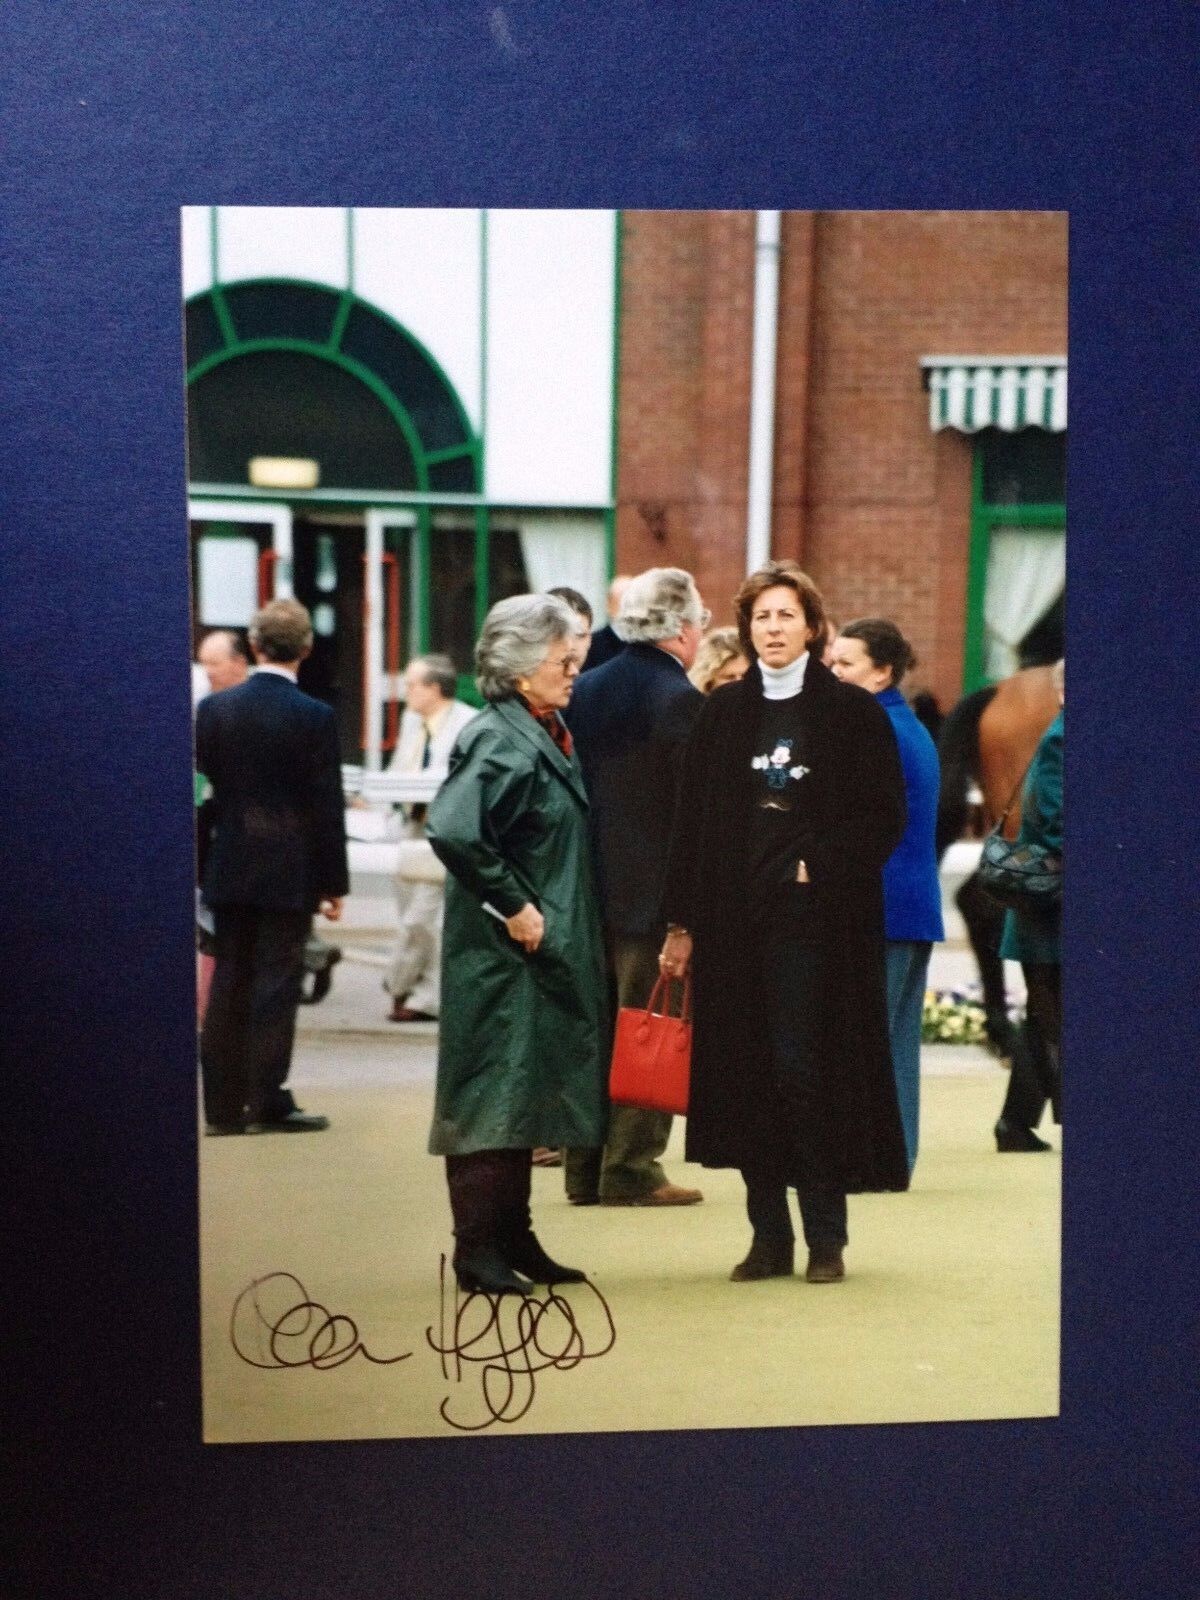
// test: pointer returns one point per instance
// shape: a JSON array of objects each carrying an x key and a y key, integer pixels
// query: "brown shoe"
[
  {"x": 667, "y": 1194},
  {"x": 403, "y": 1013},
  {"x": 825, "y": 1266},
  {"x": 768, "y": 1258}
]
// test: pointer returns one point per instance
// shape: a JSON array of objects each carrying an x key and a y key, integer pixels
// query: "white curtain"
[
  {"x": 565, "y": 549},
  {"x": 1026, "y": 572}
]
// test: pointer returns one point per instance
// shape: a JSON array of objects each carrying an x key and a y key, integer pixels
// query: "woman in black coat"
[{"x": 791, "y": 801}]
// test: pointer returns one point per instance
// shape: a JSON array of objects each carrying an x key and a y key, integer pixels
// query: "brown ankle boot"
[
  {"x": 825, "y": 1265},
  {"x": 767, "y": 1258}
]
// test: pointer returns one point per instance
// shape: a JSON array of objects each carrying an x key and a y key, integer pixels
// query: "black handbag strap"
[{"x": 998, "y": 825}]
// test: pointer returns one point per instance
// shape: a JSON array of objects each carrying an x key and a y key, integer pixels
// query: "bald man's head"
[
  {"x": 615, "y": 590},
  {"x": 225, "y": 658}
]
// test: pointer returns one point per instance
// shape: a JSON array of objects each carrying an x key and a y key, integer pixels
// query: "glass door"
[
  {"x": 241, "y": 557},
  {"x": 394, "y": 581}
]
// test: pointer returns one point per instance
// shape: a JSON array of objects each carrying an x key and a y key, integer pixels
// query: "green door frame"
[
  {"x": 1051, "y": 516},
  {"x": 420, "y": 498}
]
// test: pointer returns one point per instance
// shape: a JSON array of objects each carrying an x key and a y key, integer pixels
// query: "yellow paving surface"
[{"x": 950, "y": 1309}]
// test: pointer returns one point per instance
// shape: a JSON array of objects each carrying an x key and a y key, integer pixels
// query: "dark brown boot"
[
  {"x": 825, "y": 1266},
  {"x": 767, "y": 1258}
]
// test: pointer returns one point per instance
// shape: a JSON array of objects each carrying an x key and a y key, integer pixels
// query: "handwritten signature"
[
  {"x": 503, "y": 1341},
  {"x": 507, "y": 1340},
  {"x": 275, "y": 1323}
]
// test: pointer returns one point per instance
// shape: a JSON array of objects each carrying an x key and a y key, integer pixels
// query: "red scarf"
[{"x": 553, "y": 724}]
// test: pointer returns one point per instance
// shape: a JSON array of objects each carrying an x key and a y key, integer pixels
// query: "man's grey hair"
[
  {"x": 516, "y": 635},
  {"x": 656, "y": 605},
  {"x": 438, "y": 669},
  {"x": 282, "y": 630}
]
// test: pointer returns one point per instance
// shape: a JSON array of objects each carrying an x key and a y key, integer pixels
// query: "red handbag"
[{"x": 652, "y": 1053}]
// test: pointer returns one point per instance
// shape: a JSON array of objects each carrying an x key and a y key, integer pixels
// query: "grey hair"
[
  {"x": 656, "y": 605},
  {"x": 438, "y": 669},
  {"x": 514, "y": 640}
]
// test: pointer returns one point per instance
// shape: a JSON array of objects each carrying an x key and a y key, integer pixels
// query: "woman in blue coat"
[{"x": 874, "y": 654}]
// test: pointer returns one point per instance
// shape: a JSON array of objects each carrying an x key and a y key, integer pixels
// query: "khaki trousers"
[{"x": 628, "y": 1165}]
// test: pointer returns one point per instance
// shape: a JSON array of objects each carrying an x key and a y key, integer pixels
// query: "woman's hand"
[
  {"x": 527, "y": 926},
  {"x": 676, "y": 954}
]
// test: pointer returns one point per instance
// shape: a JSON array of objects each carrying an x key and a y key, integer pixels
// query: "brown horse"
[
  {"x": 1011, "y": 725},
  {"x": 989, "y": 740}
]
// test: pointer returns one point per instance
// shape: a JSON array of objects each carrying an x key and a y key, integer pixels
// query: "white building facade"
[{"x": 400, "y": 416}]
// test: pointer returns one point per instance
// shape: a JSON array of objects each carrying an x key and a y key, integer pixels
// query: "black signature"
[
  {"x": 300, "y": 1331},
  {"x": 509, "y": 1339}
]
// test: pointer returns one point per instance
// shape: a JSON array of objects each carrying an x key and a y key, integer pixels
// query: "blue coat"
[
  {"x": 1036, "y": 936},
  {"x": 912, "y": 896}
]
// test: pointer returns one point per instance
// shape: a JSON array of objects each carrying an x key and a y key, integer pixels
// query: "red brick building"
[{"x": 889, "y": 514}]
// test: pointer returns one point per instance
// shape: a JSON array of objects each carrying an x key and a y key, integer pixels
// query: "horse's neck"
[{"x": 1022, "y": 709}]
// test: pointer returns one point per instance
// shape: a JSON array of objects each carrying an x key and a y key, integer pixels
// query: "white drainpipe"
[{"x": 762, "y": 389}]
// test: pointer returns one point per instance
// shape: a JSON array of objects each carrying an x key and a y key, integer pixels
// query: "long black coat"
[
  {"x": 853, "y": 821},
  {"x": 270, "y": 752},
  {"x": 630, "y": 720}
]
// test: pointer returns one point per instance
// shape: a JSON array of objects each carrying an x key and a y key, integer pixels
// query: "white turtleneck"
[{"x": 781, "y": 683}]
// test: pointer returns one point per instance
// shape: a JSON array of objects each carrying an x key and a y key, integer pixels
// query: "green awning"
[{"x": 1007, "y": 392}]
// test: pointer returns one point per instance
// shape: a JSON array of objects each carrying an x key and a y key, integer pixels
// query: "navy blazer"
[
  {"x": 630, "y": 720},
  {"x": 604, "y": 646},
  {"x": 271, "y": 755}
]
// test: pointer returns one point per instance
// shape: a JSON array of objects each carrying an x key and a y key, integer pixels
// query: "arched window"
[{"x": 283, "y": 368}]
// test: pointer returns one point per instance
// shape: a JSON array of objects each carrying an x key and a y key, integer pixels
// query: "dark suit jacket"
[
  {"x": 604, "y": 646},
  {"x": 279, "y": 835},
  {"x": 630, "y": 720}
]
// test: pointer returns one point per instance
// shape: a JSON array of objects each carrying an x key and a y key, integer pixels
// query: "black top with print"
[{"x": 779, "y": 771}]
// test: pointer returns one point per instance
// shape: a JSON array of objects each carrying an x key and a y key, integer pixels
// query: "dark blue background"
[{"x": 123, "y": 112}]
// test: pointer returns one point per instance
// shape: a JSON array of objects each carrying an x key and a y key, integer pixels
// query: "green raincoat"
[{"x": 523, "y": 1044}]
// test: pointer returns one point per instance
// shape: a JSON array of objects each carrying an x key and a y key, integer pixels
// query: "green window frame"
[
  {"x": 985, "y": 519},
  {"x": 217, "y": 307}
]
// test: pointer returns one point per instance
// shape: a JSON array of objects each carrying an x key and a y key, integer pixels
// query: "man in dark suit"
[
  {"x": 277, "y": 855},
  {"x": 630, "y": 720},
  {"x": 606, "y": 642}
]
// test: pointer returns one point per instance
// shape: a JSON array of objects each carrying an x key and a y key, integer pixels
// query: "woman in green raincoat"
[{"x": 524, "y": 1040}]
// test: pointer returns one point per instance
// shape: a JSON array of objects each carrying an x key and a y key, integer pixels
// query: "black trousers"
[
  {"x": 1036, "y": 1074},
  {"x": 797, "y": 1158},
  {"x": 250, "y": 1025}
]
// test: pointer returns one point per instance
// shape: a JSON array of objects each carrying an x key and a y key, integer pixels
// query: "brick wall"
[
  {"x": 873, "y": 503},
  {"x": 684, "y": 396},
  {"x": 887, "y": 509}
]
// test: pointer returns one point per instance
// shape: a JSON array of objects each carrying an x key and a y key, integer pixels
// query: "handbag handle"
[
  {"x": 664, "y": 983},
  {"x": 998, "y": 825}
]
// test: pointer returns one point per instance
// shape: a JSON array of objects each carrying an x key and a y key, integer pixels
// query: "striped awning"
[{"x": 1008, "y": 392}]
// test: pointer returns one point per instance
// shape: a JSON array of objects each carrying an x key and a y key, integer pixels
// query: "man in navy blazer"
[
  {"x": 277, "y": 855},
  {"x": 630, "y": 720},
  {"x": 606, "y": 642}
]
